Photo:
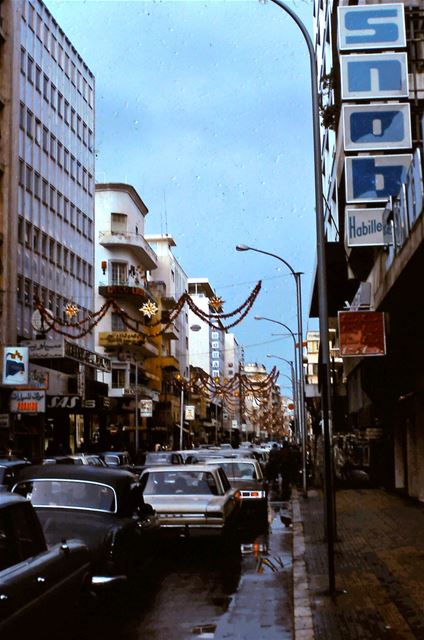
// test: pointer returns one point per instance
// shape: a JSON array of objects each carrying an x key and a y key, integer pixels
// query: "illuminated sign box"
[
  {"x": 375, "y": 178},
  {"x": 365, "y": 228},
  {"x": 374, "y": 127},
  {"x": 371, "y": 27},
  {"x": 362, "y": 333},
  {"x": 28, "y": 402},
  {"x": 369, "y": 76}
]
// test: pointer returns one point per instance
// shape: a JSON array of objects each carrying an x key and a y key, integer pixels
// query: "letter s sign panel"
[
  {"x": 372, "y": 27},
  {"x": 375, "y": 178}
]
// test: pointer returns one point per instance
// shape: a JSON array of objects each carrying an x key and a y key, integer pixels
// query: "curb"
[{"x": 302, "y": 610}]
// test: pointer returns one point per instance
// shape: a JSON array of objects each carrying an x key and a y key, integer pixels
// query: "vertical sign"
[
  {"x": 15, "y": 365},
  {"x": 371, "y": 27}
]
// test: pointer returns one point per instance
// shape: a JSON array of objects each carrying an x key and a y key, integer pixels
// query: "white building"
[{"x": 170, "y": 272}]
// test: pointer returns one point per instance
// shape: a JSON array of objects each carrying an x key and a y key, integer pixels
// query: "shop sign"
[
  {"x": 362, "y": 333},
  {"x": 15, "y": 365},
  {"x": 375, "y": 178},
  {"x": 189, "y": 412},
  {"x": 117, "y": 338},
  {"x": 234, "y": 424},
  {"x": 365, "y": 228},
  {"x": 83, "y": 356},
  {"x": 37, "y": 379},
  {"x": 145, "y": 408},
  {"x": 371, "y": 27},
  {"x": 28, "y": 401},
  {"x": 45, "y": 348},
  {"x": 374, "y": 76},
  {"x": 373, "y": 127},
  {"x": 64, "y": 402}
]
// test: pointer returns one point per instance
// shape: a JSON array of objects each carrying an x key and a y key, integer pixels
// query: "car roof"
[
  {"x": 175, "y": 468},
  {"x": 7, "y": 462},
  {"x": 7, "y": 499},
  {"x": 227, "y": 460},
  {"x": 113, "y": 477}
]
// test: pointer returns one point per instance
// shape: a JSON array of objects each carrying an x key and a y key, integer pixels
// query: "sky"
[{"x": 204, "y": 108}]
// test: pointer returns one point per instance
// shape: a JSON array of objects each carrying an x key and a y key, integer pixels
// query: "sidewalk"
[{"x": 379, "y": 560}]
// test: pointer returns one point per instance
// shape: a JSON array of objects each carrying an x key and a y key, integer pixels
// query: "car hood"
[{"x": 185, "y": 504}]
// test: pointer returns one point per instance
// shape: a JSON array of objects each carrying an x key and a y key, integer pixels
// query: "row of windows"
[
  {"x": 28, "y": 292},
  {"x": 57, "y": 101},
  {"x": 53, "y": 147},
  {"x": 58, "y": 53},
  {"x": 39, "y": 187},
  {"x": 40, "y": 243}
]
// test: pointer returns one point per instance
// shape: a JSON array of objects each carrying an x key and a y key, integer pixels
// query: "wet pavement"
[
  {"x": 198, "y": 590},
  {"x": 379, "y": 562}
]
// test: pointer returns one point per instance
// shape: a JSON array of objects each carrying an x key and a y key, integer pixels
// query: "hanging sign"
[
  {"x": 15, "y": 365},
  {"x": 189, "y": 412},
  {"x": 145, "y": 408},
  {"x": 371, "y": 27},
  {"x": 362, "y": 333}
]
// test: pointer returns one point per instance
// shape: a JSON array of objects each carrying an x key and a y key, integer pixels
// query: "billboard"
[
  {"x": 366, "y": 228},
  {"x": 15, "y": 365},
  {"x": 362, "y": 333}
]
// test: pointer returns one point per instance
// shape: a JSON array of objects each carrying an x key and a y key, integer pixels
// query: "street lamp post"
[
  {"x": 293, "y": 380},
  {"x": 322, "y": 301},
  {"x": 301, "y": 400},
  {"x": 301, "y": 396}
]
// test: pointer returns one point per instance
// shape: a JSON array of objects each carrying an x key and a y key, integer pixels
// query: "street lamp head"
[
  {"x": 242, "y": 247},
  {"x": 258, "y": 318}
]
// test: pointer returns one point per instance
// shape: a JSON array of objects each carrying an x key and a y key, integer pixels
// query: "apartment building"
[{"x": 46, "y": 219}]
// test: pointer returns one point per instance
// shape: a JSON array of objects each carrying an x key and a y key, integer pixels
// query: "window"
[
  {"x": 45, "y": 139},
  {"x": 37, "y": 185},
  {"x": 118, "y": 378},
  {"x": 53, "y": 97},
  {"x": 118, "y": 222},
  {"x": 52, "y": 245},
  {"x": 28, "y": 178},
  {"x": 52, "y": 146},
  {"x": 30, "y": 69},
  {"x": 52, "y": 197},
  {"x": 72, "y": 263},
  {"x": 27, "y": 292},
  {"x": 37, "y": 132},
  {"x": 35, "y": 240},
  {"x": 44, "y": 245},
  {"x": 66, "y": 161},
  {"x": 59, "y": 154},
  {"x": 73, "y": 119},
  {"x": 117, "y": 322},
  {"x": 119, "y": 273},
  {"x": 21, "y": 173},
  {"x": 23, "y": 61},
  {"x": 38, "y": 76},
  {"x": 59, "y": 254},
  {"x": 20, "y": 230},
  {"x": 65, "y": 258},
  {"x": 60, "y": 104},
  {"x": 45, "y": 88},
  {"x": 29, "y": 122},
  {"x": 45, "y": 191}
]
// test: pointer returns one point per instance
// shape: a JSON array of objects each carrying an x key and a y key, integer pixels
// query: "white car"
[{"x": 192, "y": 500}]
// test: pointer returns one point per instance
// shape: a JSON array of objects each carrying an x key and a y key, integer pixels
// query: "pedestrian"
[
  {"x": 288, "y": 470},
  {"x": 273, "y": 465}
]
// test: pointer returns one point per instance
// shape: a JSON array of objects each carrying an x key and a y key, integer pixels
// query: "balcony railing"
[
  {"x": 126, "y": 288},
  {"x": 148, "y": 257}
]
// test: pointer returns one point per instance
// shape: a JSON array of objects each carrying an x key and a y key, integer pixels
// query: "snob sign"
[
  {"x": 372, "y": 76},
  {"x": 372, "y": 27}
]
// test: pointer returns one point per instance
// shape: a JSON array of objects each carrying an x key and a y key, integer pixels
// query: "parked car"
[
  {"x": 246, "y": 475},
  {"x": 191, "y": 500},
  {"x": 101, "y": 506},
  {"x": 117, "y": 459},
  {"x": 36, "y": 581},
  {"x": 89, "y": 459},
  {"x": 158, "y": 458},
  {"x": 9, "y": 468}
]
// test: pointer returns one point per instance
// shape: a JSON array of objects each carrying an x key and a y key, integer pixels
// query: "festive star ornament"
[
  {"x": 149, "y": 309},
  {"x": 216, "y": 302},
  {"x": 71, "y": 310}
]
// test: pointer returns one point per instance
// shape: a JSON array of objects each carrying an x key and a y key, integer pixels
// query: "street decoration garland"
[{"x": 73, "y": 328}]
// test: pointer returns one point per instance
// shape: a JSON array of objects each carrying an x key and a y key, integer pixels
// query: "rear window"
[
  {"x": 69, "y": 494},
  {"x": 184, "y": 483}
]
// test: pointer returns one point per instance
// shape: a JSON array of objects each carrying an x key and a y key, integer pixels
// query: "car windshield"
[
  {"x": 158, "y": 458},
  {"x": 69, "y": 494},
  {"x": 185, "y": 483}
]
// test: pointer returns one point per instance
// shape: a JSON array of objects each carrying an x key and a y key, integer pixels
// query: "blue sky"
[{"x": 204, "y": 107}]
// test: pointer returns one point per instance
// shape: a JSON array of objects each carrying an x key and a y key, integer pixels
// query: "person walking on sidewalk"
[{"x": 288, "y": 469}]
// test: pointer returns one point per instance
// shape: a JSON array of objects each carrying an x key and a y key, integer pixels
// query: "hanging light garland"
[{"x": 80, "y": 328}]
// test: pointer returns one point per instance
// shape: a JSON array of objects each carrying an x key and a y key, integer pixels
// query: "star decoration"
[
  {"x": 216, "y": 302},
  {"x": 71, "y": 310},
  {"x": 149, "y": 309}
]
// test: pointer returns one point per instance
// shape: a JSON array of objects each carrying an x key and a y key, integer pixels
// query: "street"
[{"x": 201, "y": 590}]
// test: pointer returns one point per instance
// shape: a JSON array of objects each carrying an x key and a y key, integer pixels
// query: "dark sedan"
[
  {"x": 9, "y": 468},
  {"x": 103, "y": 507},
  {"x": 37, "y": 583}
]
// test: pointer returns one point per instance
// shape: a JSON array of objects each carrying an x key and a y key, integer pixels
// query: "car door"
[{"x": 33, "y": 579}]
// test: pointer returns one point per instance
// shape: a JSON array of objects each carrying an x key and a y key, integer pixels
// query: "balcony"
[
  {"x": 127, "y": 289},
  {"x": 110, "y": 239}
]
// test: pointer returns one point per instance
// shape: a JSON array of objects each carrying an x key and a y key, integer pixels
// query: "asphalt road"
[{"x": 203, "y": 590}]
